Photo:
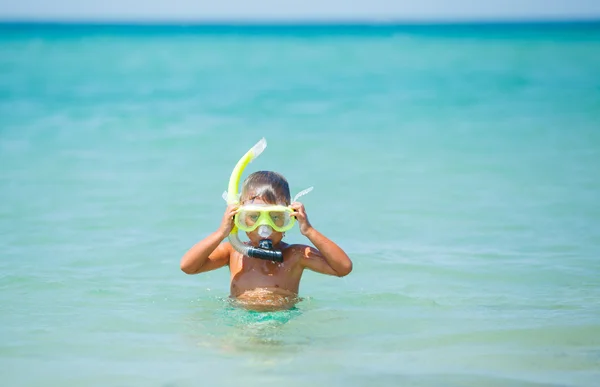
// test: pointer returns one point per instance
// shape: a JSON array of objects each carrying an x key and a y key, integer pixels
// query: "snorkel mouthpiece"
[{"x": 265, "y": 246}]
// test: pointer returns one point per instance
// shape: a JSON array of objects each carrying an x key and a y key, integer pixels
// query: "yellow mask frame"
[{"x": 249, "y": 217}]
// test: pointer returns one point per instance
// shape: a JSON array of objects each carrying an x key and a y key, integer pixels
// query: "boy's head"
[{"x": 269, "y": 186}]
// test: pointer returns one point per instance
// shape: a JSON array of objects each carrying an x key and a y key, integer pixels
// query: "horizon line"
[{"x": 199, "y": 22}]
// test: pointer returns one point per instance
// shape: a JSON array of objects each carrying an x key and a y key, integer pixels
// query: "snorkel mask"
[
  {"x": 249, "y": 217},
  {"x": 263, "y": 217}
]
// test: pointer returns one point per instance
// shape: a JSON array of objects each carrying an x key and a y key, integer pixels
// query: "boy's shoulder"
[
  {"x": 295, "y": 246},
  {"x": 298, "y": 249}
]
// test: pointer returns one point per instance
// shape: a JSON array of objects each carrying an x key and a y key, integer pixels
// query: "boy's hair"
[{"x": 269, "y": 186}]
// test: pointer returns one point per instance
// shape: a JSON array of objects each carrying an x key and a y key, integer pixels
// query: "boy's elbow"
[
  {"x": 345, "y": 269},
  {"x": 186, "y": 268}
]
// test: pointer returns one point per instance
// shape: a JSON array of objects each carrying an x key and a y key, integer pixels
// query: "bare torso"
[{"x": 263, "y": 285}]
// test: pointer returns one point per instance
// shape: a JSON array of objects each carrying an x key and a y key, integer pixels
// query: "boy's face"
[{"x": 275, "y": 237}]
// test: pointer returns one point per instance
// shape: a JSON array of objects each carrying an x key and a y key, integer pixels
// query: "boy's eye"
[
  {"x": 251, "y": 217},
  {"x": 277, "y": 217}
]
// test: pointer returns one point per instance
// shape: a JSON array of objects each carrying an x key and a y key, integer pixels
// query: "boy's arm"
[
  {"x": 210, "y": 253},
  {"x": 327, "y": 258},
  {"x": 206, "y": 255}
]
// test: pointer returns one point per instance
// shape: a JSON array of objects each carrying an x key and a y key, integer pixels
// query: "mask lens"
[
  {"x": 280, "y": 218},
  {"x": 248, "y": 219}
]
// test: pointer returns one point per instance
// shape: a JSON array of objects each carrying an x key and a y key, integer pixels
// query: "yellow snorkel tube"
[{"x": 233, "y": 198}]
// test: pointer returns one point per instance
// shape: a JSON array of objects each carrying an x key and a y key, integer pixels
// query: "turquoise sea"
[{"x": 458, "y": 165}]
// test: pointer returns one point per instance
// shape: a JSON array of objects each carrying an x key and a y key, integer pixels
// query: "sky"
[{"x": 380, "y": 10}]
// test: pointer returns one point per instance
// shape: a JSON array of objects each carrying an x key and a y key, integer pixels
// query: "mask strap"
[{"x": 302, "y": 193}]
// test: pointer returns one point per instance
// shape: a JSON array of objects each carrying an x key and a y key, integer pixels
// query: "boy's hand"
[
  {"x": 300, "y": 214},
  {"x": 227, "y": 222}
]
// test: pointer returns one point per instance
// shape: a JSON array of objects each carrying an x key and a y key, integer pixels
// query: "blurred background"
[{"x": 454, "y": 149}]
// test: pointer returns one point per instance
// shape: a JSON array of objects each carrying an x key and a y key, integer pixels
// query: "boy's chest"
[{"x": 249, "y": 272}]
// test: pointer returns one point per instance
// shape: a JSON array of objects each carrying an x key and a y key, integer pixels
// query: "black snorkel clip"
[{"x": 265, "y": 251}]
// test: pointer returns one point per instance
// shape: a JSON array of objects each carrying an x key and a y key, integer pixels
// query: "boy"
[{"x": 265, "y": 285}]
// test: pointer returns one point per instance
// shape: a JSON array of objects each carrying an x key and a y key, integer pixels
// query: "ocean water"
[{"x": 459, "y": 167}]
